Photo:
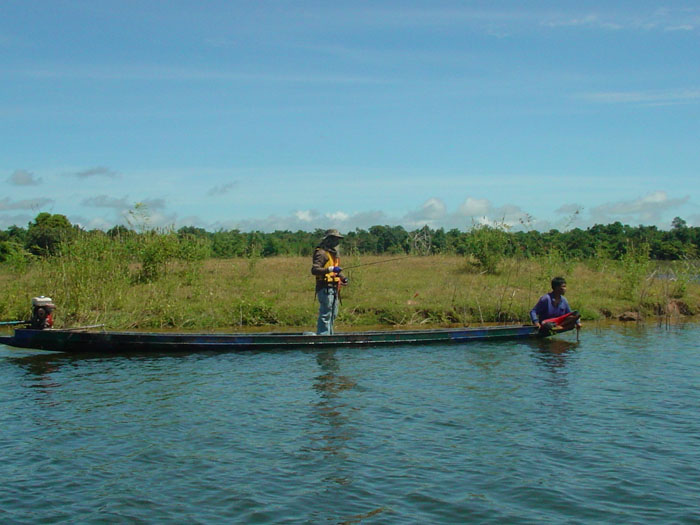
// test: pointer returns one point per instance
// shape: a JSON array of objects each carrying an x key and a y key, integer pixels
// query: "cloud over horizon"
[
  {"x": 655, "y": 208},
  {"x": 647, "y": 209},
  {"x": 644, "y": 210}
]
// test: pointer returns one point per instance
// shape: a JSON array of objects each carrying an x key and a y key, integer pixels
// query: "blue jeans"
[{"x": 327, "y": 311}]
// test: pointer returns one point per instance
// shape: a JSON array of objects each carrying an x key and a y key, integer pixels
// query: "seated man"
[{"x": 552, "y": 311}]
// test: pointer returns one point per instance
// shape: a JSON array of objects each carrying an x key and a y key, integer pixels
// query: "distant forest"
[{"x": 48, "y": 232}]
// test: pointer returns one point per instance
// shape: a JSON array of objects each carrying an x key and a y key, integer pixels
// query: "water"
[{"x": 541, "y": 432}]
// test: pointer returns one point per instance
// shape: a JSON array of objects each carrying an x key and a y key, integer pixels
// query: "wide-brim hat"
[{"x": 332, "y": 233}]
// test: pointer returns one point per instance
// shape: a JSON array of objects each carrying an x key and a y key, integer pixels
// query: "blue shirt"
[{"x": 545, "y": 309}]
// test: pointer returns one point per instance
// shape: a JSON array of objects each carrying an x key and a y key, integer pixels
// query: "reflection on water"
[
  {"x": 330, "y": 409},
  {"x": 604, "y": 430},
  {"x": 39, "y": 364},
  {"x": 554, "y": 353},
  {"x": 41, "y": 371}
]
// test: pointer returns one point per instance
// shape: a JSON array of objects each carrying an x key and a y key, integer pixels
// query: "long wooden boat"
[{"x": 105, "y": 342}]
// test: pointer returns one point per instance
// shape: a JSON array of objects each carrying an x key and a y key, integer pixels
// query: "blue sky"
[{"x": 314, "y": 114}]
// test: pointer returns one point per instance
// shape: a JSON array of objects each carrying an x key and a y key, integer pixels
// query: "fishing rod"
[
  {"x": 11, "y": 323},
  {"x": 376, "y": 262}
]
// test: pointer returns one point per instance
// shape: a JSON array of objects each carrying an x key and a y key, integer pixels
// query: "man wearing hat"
[{"x": 329, "y": 278}]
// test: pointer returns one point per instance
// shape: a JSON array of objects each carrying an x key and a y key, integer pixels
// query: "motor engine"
[{"x": 42, "y": 313}]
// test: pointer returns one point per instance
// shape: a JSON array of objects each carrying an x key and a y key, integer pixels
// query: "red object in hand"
[
  {"x": 558, "y": 320},
  {"x": 563, "y": 322}
]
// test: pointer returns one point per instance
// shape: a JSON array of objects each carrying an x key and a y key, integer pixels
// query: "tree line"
[{"x": 48, "y": 233}]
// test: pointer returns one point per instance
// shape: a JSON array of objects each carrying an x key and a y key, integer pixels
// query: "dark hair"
[{"x": 557, "y": 282}]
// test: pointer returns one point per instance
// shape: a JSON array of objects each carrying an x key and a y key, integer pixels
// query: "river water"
[{"x": 600, "y": 431}]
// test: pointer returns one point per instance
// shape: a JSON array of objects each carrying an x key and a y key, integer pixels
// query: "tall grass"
[{"x": 162, "y": 282}]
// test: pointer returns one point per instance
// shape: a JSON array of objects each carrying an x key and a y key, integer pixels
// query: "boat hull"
[{"x": 82, "y": 341}]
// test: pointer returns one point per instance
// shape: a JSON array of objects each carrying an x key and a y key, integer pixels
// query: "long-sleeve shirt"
[
  {"x": 545, "y": 308},
  {"x": 320, "y": 259}
]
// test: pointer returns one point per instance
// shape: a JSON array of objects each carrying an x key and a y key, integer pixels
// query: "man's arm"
[
  {"x": 535, "y": 312},
  {"x": 319, "y": 261}
]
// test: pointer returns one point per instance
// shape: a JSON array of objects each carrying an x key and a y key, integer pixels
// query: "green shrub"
[
  {"x": 635, "y": 267},
  {"x": 488, "y": 246}
]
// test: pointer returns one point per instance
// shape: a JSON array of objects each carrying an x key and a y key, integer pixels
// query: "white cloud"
[
  {"x": 568, "y": 209},
  {"x": 222, "y": 189},
  {"x": 338, "y": 216},
  {"x": 475, "y": 207},
  {"x": 365, "y": 220},
  {"x": 652, "y": 97},
  {"x": 105, "y": 201},
  {"x": 23, "y": 178},
  {"x": 655, "y": 208},
  {"x": 471, "y": 212},
  {"x": 589, "y": 20},
  {"x": 28, "y": 204},
  {"x": 154, "y": 204},
  {"x": 648, "y": 209},
  {"x": 681, "y": 27},
  {"x": 305, "y": 215},
  {"x": 151, "y": 219},
  {"x": 157, "y": 72},
  {"x": 611, "y": 19},
  {"x": 99, "y": 171},
  {"x": 432, "y": 211},
  {"x": 307, "y": 220},
  {"x": 91, "y": 223},
  {"x": 15, "y": 220}
]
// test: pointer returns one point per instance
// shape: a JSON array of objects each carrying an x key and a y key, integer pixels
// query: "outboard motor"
[{"x": 42, "y": 313}]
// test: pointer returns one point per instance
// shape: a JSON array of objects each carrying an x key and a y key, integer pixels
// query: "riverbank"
[{"x": 277, "y": 292}]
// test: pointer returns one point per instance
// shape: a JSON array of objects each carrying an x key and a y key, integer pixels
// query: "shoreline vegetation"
[
  {"x": 150, "y": 279},
  {"x": 276, "y": 293}
]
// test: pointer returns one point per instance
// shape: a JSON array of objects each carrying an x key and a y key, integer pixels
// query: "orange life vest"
[{"x": 330, "y": 278}]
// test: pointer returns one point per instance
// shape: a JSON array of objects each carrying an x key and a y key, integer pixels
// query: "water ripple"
[{"x": 547, "y": 432}]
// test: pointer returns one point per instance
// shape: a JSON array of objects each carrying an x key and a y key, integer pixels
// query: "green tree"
[
  {"x": 119, "y": 232},
  {"x": 438, "y": 241},
  {"x": 272, "y": 246},
  {"x": 231, "y": 243},
  {"x": 677, "y": 223},
  {"x": 46, "y": 233},
  {"x": 680, "y": 230}
]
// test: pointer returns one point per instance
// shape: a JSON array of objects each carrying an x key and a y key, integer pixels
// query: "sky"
[{"x": 273, "y": 115}]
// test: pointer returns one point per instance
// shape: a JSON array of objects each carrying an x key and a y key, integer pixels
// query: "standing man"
[
  {"x": 329, "y": 278},
  {"x": 552, "y": 310}
]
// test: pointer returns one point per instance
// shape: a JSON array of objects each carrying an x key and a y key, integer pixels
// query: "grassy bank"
[{"x": 277, "y": 293}]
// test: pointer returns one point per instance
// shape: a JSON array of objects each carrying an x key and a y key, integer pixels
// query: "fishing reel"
[{"x": 42, "y": 313}]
